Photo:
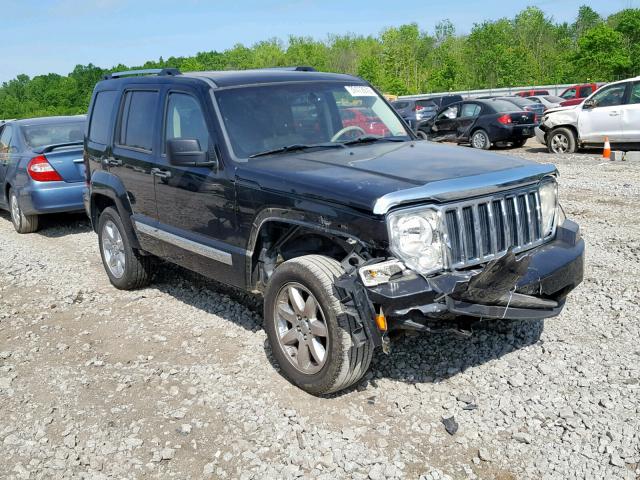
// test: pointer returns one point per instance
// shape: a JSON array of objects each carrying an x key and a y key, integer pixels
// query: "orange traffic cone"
[{"x": 606, "y": 154}]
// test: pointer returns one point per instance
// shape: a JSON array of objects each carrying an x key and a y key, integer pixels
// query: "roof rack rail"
[
  {"x": 149, "y": 71},
  {"x": 299, "y": 68}
]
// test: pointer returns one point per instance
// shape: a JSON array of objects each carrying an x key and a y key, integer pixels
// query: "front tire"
[
  {"x": 480, "y": 139},
  {"x": 310, "y": 333},
  {"x": 561, "y": 140},
  {"x": 21, "y": 222},
  {"x": 125, "y": 267}
]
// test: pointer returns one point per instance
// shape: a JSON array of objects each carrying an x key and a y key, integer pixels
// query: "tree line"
[{"x": 529, "y": 49}]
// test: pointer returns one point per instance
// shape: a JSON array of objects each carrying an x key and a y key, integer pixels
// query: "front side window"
[
  {"x": 267, "y": 117},
  {"x": 610, "y": 96},
  {"x": 184, "y": 119},
  {"x": 37, "y": 136},
  {"x": 635, "y": 93},
  {"x": 450, "y": 113},
  {"x": 137, "y": 120}
]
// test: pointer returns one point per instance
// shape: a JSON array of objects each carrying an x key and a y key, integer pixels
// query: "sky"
[{"x": 43, "y": 36}]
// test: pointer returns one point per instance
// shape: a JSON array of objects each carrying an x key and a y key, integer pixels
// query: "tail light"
[
  {"x": 535, "y": 118},
  {"x": 40, "y": 170},
  {"x": 418, "y": 108},
  {"x": 505, "y": 119}
]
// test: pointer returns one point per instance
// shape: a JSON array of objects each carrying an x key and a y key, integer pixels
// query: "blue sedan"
[{"x": 41, "y": 168}]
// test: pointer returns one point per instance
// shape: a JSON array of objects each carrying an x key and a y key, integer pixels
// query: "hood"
[{"x": 360, "y": 176}]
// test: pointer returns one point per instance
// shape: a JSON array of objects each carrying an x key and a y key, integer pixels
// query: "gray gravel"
[{"x": 176, "y": 381}]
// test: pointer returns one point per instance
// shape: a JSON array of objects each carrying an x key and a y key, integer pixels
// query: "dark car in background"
[
  {"x": 418, "y": 111},
  {"x": 482, "y": 123},
  {"x": 41, "y": 168},
  {"x": 526, "y": 105}
]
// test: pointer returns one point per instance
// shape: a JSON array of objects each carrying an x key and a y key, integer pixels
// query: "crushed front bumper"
[{"x": 552, "y": 271}]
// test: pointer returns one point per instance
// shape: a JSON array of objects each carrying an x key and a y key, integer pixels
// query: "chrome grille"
[{"x": 479, "y": 230}]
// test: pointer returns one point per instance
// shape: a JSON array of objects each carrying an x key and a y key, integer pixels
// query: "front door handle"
[
  {"x": 158, "y": 172},
  {"x": 614, "y": 114}
]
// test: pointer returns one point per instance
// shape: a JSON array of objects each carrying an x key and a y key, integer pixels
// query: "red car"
[
  {"x": 576, "y": 94},
  {"x": 532, "y": 93},
  {"x": 365, "y": 119}
]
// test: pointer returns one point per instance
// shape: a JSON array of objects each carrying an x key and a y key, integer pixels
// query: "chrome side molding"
[{"x": 184, "y": 243}]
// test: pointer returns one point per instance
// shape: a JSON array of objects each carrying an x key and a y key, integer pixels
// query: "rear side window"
[
  {"x": 137, "y": 120},
  {"x": 5, "y": 139},
  {"x": 101, "y": 117},
  {"x": 470, "y": 110},
  {"x": 635, "y": 93}
]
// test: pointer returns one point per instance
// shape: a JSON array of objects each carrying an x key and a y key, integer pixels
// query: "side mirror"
[
  {"x": 588, "y": 104},
  {"x": 186, "y": 152}
]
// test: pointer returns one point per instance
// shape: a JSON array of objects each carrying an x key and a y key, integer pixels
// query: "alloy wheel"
[
  {"x": 559, "y": 143},
  {"x": 113, "y": 249},
  {"x": 479, "y": 140},
  {"x": 301, "y": 328}
]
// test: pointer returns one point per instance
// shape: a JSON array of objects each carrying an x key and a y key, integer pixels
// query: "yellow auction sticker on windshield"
[{"x": 360, "y": 91}]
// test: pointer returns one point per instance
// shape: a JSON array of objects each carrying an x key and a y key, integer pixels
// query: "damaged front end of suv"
[{"x": 504, "y": 252}]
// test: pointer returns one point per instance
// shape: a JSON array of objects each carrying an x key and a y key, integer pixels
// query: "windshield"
[
  {"x": 263, "y": 118},
  {"x": 38, "y": 136}
]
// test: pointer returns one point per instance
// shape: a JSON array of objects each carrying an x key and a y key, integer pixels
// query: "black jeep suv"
[{"x": 262, "y": 180}]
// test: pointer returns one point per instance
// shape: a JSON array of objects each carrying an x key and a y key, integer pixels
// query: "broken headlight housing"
[
  {"x": 548, "y": 206},
  {"x": 415, "y": 238}
]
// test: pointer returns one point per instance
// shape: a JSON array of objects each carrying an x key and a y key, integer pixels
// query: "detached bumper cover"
[
  {"x": 549, "y": 273},
  {"x": 51, "y": 197}
]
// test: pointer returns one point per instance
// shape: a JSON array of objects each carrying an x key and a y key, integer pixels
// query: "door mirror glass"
[
  {"x": 186, "y": 152},
  {"x": 588, "y": 104}
]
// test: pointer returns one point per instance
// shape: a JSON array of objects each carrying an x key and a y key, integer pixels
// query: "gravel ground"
[{"x": 176, "y": 380}]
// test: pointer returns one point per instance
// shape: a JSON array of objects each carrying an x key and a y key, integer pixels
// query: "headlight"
[
  {"x": 415, "y": 239},
  {"x": 548, "y": 206}
]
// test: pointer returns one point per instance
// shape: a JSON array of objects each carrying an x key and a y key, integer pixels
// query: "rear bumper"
[
  {"x": 554, "y": 270},
  {"x": 51, "y": 197},
  {"x": 510, "y": 133}
]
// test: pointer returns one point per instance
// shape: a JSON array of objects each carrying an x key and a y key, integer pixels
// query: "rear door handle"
[{"x": 158, "y": 172}]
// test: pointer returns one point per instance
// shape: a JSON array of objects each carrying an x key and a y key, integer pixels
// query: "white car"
[
  {"x": 549, "y": 101},
  {"x": 612, "y": 112}
]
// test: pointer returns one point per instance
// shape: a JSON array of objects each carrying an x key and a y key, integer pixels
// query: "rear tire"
[
  {"x": 562, "y": 140},
  {"x": 422, "y": 135},
  {"x": 125, "y": 267},
  {"x": 323, "y": 322},
  {"x": 480, "y": 139},
  {"x": 519, "y": 143},
  {"x": 21, "y": 222}
]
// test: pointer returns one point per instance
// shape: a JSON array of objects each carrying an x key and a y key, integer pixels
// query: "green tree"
[{"x": 602, "y": 54}]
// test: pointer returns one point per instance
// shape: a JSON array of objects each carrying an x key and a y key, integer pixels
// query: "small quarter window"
[{"x": 101, "y": 117}]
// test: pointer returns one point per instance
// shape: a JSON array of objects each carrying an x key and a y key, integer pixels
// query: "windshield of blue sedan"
[
  {"x": 270, "y": 117},
  {"x": 42, "y": 135}
]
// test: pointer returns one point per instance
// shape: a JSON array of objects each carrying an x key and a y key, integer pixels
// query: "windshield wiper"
[
  {"x": 296, "y": 147},
  {"x": 372, "y": 139}
]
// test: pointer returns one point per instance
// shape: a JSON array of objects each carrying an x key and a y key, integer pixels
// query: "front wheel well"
[
  {"x": 278, "y": 242},
  {"x": 572, "y": 128}
]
